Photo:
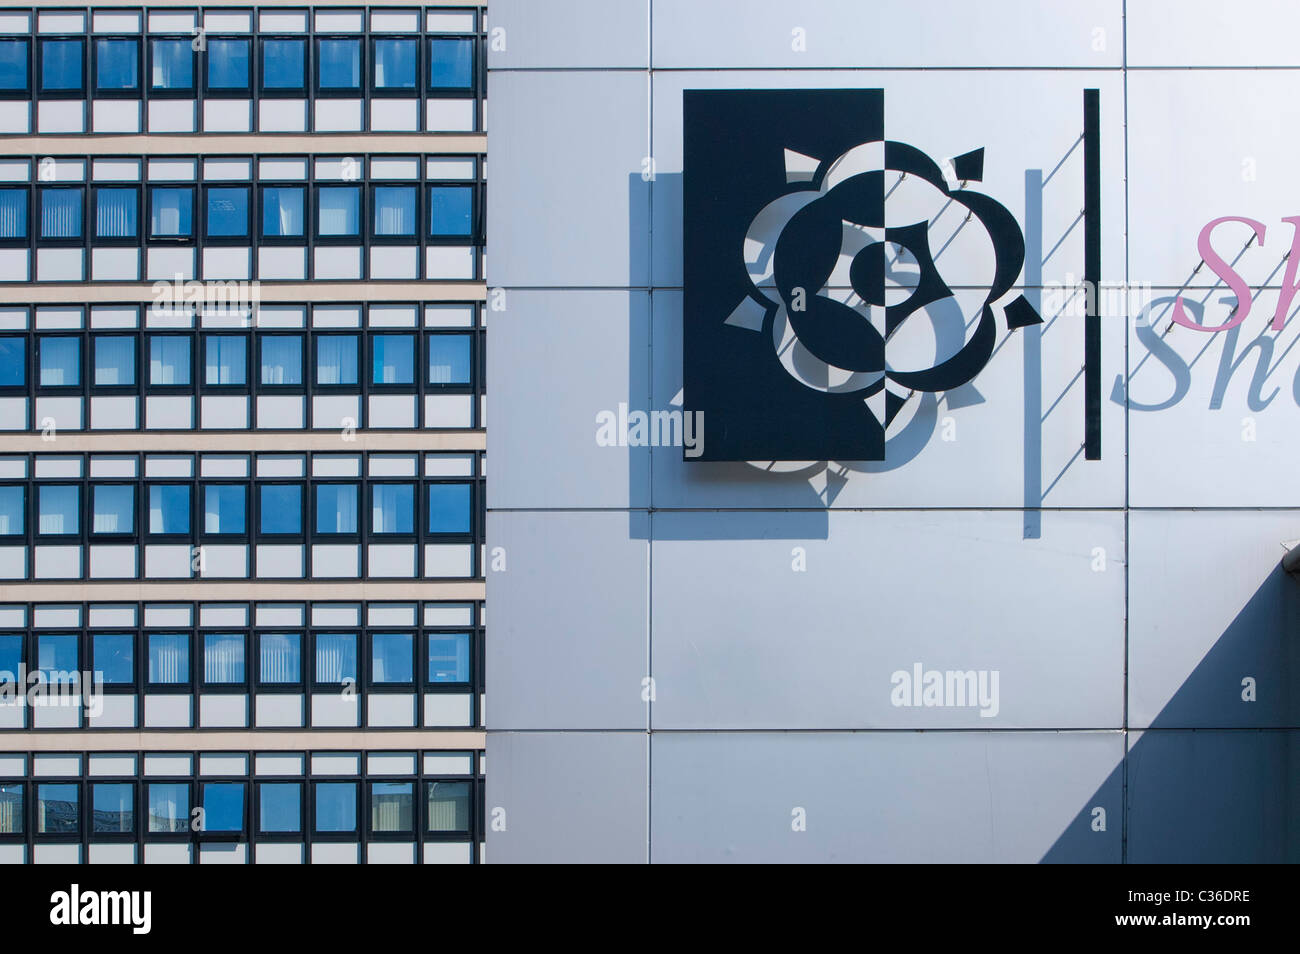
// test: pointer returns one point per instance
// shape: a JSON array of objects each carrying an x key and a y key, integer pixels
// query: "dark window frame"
[
  {"x": 218, "y": 538},
  {"x": 243, "y": 387},
  {"x": 134, "y": 241},
  {"x": 294, "y": 687},
  {"x": 339, "y": 92},
  {"x": 413, "y": 91},
  {"x": 191, "y": 92},
  {"x": 247, "y": 91},
  {"x": 119, "y": 537},
  {"x": 189, "y": 240},
  {"x": 81, "y": 92},
  {"x": 303, "y": 91},
  {"x": 243, "y": 239},
  {"x": 97, "y": 389},
  {"x": 238, "y": 687},
  {"x": 113, "y": 837},
  {"x": 129, "y": 93},
  {"x": 28, "y": 90},
  {"x": 79, "y": 240},
  {"x": 290, "y": 241}
]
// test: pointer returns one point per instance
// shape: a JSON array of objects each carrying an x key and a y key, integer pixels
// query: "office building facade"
[{"x": 242, "y": 433}]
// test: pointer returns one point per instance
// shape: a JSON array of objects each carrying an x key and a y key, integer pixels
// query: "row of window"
[
  {"x": 275, "y": 661},
  {"x": 185, "y": 306},
  {"x": 227, "y": 615},
  {"x": 273, "y": 809},
  {"x": 167, "y": 362},
  {"x": 273, "y": 510},
  {"x": 237, "y": 66},
  {"x": 66, "y": 215}
]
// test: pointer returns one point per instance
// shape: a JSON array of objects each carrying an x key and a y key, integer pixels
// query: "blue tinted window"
[
  {"x": 336, "y": 508},
  {"x": 61, "y": 65},
  {"x": 113, "y": 508},
  {"x": 58, "y": 808},
  {"x": 281, "y": 359},
  {"x": 392, "y": 657},
  {"x": 227, "y": 212},
  {"x": 60, "y": 360},
  {"x": 339, "y": 63},
  {"x": 223, "y": 806},
  {"x": 115, "y": 212},
  {"x": 336, "y": 806},
  {"x": 114, "y": 657},
  {"x": 13, "y": 362},
  {"x": 279, "y": 658},
  {"x": 451, "y": 64},
  {"x": 393, "y": 359},
  {"x": 13, "y": 64},
  {"x": 336, "y": 359},
  {"x": 280, "y": 807},
  {"x": 449, "y": 657},
  {"x": 227, "y": 64},
  {"x": 56, "y": 656},
  {"x": 449, "y": 508},
  {"x": 395, "y": 210},
  {"x": 173, "y": 65},
  {"x": 336, "y": 658},
  {"x": 223, "y": 657},
  {"x": 114, "y": 360},
  {"x": 392, "y": 508},
  {"x": 169, "y": 806},
  {"x": 448, "y": 806},
  {"x": 169, "y": 508},
  {"x": 60, "y": 213},
  {"x": 282, "y": 212},
  {"x": 282, "y": 64},
  {"x": 169, "y": 658},
  {"x": 392, "y": 806},
  {"x": 13, "y": 213},
  {"x": 449, "y": 359},
  {"x": 281, "y": 508},
  {"x": 172, "y": 212},
  {"x": 12, "y": 519},
  {"x": 395, "y": 63},
  {"x": 59, "y": 509},
  {"x": 169, "y": 359},
  {"x": 224, "y": 360},
  {"x": 11, "y": 808},
  {"x": 117, "y": 64},
  {"x": 11, "y": 657},
  {"x": 451, "y": 210},
  {"x": 223, "y": 508},
  {"x": 112, "y": 807},
  {"x": 338, "y": 210}
]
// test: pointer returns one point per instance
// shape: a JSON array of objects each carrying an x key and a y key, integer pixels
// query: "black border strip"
[{"x": 1092, "y": 273}]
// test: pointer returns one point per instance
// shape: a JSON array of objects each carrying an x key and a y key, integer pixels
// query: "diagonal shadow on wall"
[{"x": 1214, "y": 779}]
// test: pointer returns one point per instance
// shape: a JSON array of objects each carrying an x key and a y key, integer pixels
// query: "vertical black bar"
[
  {"x": 1092, "y": 274},
  {"x": 1033, "y": 344}
]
